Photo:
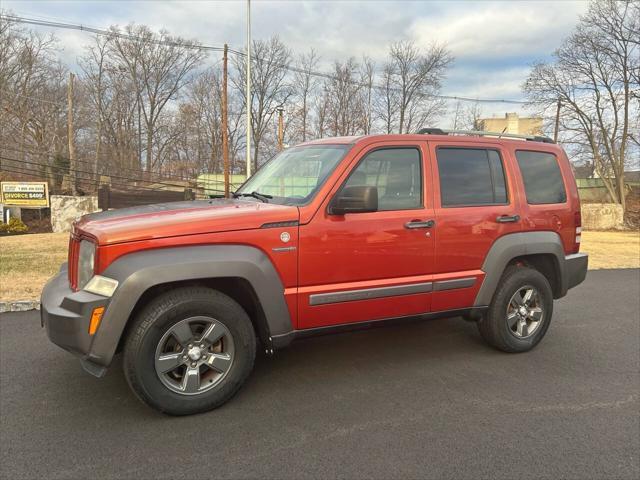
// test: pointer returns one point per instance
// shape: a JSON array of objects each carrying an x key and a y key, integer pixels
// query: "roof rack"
[{"x": 480, "y": 133}]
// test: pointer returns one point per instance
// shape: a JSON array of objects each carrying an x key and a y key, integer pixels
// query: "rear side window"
[
  {"x": 542, "y": 177},
  {"x": 470, "y": 176}
]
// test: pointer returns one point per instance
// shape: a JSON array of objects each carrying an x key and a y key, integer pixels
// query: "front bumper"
[
  {"x": 66, "y": 315},
  {"x": 576, "y": 268}
]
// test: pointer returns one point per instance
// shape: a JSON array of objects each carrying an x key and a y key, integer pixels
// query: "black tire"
[
  {"x": 494, "y": 327},
  {"x": 164, "y": 312}
]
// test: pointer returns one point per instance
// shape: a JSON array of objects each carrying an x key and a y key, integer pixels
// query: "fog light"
[
  {"x": 96, "y": 317},
  {"x": 101, "y": 285}
]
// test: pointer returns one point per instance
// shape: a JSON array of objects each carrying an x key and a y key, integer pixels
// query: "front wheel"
[
  {"x": 189, "y": 351},
  {"x": 520, "y": 311}
]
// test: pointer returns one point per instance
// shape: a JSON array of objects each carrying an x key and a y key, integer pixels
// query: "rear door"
[{"x": 475, "y": 204}]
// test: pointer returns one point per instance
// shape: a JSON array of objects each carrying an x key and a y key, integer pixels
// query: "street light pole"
[
  {"x": 248, "y": 93},
  {"x": 225, "y": 128}
]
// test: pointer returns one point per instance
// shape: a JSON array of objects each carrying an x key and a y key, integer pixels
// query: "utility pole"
[
  {"x": 280, "y": 110},
  {"x": 248, "y": 93},
  {"x": 72, "y": 148},
  {"x": 139, "y": 160},
  {"x": 555, "y": 132},
  {"x": 225, "y": 138}
]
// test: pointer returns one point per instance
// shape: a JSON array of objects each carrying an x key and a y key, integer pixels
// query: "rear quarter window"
[{"x": 542, "y": 177}]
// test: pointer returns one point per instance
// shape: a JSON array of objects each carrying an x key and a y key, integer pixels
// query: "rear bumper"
[
  {"x": 66, "y": 314},
  {"x": 576, "y": 268}
]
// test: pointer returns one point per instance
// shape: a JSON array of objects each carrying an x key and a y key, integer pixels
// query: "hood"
[{"x": 181, "y": 218}]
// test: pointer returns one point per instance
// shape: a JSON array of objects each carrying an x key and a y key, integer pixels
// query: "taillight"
[{"x": 577, "y": 222}]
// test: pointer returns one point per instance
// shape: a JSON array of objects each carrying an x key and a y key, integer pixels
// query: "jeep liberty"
[{"x": 330, "y": 235}]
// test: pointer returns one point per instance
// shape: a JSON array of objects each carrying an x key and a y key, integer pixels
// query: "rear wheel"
[
  {"x": 189, "y": 351},
  {"x": 520, "y": 311}
]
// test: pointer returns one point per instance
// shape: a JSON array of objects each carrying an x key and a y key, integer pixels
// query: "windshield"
[{"x": 294, "y": 175}]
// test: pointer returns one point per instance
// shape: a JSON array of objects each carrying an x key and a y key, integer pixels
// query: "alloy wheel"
[
  {"x": 194, "y": 355},
  {"x": 525, "y": 312}
]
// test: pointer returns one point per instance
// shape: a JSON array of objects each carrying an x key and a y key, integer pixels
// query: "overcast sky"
[{"x": 493, "y": 42}]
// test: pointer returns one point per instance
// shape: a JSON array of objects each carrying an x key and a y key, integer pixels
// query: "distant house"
[
  {"x": 587, "y": 172},
  {"x": 511, "y": 123},
  {"x": 632, "y": 177},
  {"x": 583, "y": 171}
]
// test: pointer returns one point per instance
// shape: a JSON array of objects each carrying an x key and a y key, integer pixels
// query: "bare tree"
[
  {"x": 367, "y": 74},
  {"x": 94, "y": 67},
  {"x": 388, "y": 99},
  {"x": 466, "y": 117},
  {"x": 321, "y": 107},
  {"x": 204, "y": 96},
  {"x": 270, "y": 87},
  {"x": 343, "y": 97},
  {"x": 143, "y": 102},
  {"x": 418, "y": 75},
  {"x": 10, "y": 43},
  {"x": 112, "y": 99},
  {"x": 305, "y": 83},
  {"x": 122, "y": 119},
  {"x": 159, "y": 65},
  {"x": 33, "y": 92},
  {"x": 592, "y": 74}
]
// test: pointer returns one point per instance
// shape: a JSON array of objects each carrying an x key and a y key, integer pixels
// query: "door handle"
[
  {"x": 508, "y": 218},
  {"x": 419, "y": 224}
]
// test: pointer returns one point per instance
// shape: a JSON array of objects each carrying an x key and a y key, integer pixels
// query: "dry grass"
[
  {"x": 28, "y": 261},
  {"x": 612, "y": 249}
]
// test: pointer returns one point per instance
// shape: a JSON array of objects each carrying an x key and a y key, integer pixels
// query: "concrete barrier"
[
  {"x": 602, "y": 216},
  {"x": 65, "y": 209}
]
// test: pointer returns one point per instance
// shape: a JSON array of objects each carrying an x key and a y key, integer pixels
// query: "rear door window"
[
  {"x": 542, "y": 177},
  {"x": 471, "y": 176}
]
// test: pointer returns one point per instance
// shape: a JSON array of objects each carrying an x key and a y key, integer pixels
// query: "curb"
[{"x": 19, "y": 306}]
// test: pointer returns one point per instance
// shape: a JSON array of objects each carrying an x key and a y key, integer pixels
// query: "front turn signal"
[{"x": 96, "y": 317}]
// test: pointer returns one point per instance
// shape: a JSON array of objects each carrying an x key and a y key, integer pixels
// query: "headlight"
[
  {"x": 101, "y": 285},
  {"x": 86, "y": 261}
]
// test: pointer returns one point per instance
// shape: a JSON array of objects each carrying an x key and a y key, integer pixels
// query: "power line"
[
  {"x": 58, "y": 104},
  {"x": 34, "y": 172},
  {"x": 76, "y": 170},
  {"x": 91, "y": 163},
  {"x": 199, "y": 46},
  {"x": 111, "y": 33}
]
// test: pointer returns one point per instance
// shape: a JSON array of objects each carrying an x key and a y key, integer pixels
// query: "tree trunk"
[
  {"x": 149, "y": 147},
  {"x": 98, "y": 148},
  {"x": 72, "y": 149},
  {"x": 621, "y": 192},
  {"x": 256, "y": 150}
]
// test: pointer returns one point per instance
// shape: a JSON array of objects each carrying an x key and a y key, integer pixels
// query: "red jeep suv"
[{"x": 333, "y": 234}]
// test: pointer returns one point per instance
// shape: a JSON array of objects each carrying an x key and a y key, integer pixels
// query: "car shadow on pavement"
[{"x": 306, "y": 367}]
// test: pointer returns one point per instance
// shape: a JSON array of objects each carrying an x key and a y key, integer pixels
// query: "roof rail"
[
  {"x": 481, "y": 133},
  {"x": 432, "y": 131}
]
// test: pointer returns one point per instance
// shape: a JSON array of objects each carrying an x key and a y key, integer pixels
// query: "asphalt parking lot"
[{"x": 425, "y": 400}]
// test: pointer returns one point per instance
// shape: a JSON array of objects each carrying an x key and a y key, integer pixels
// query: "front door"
[{"x": 368, "y": 266}]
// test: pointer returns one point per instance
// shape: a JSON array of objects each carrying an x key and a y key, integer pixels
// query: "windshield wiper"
[{"x": 263, "y": 197}]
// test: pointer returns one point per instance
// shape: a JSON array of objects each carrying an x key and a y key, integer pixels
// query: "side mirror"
[{"x": 356, "y": 199}]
